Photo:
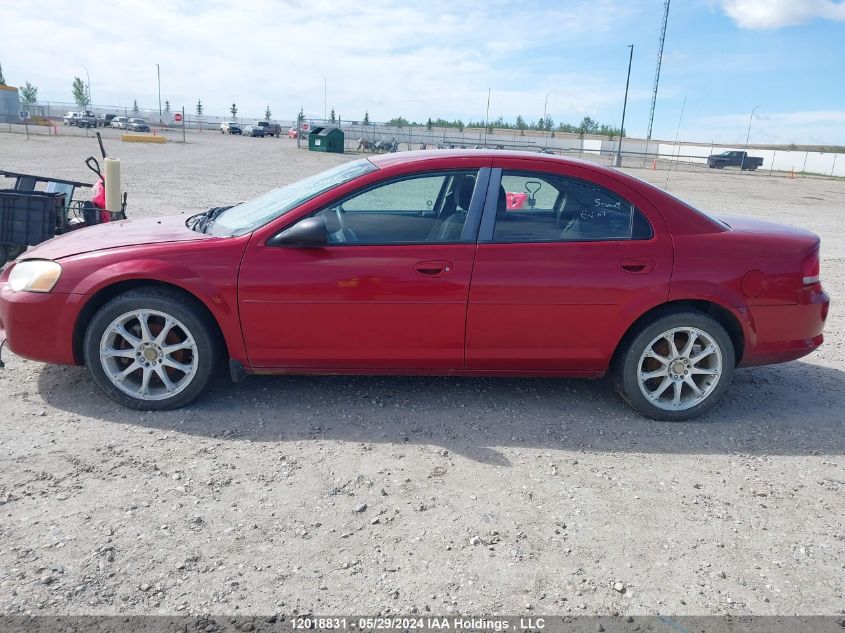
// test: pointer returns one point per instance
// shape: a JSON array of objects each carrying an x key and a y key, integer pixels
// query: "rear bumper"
[
  {"x": 787, "y": 332},
  {"x": 39, "y": 326}
]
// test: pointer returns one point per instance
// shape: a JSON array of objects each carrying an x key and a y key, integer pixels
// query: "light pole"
[
  {"x": 747, "y": 137},
  {"x": 545, "y": 105},
  {"x": 88, "y": 80},
  {"x": 325, "y": 110},
  {"x": 624, "y": 107},
  {"x": 158, "y": 78}
]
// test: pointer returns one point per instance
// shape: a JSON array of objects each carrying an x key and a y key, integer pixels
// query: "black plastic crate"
[{"x": 29, "y": 217}]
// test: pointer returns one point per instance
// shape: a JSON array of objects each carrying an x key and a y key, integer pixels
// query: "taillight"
[{"x": 810, "y": 269}]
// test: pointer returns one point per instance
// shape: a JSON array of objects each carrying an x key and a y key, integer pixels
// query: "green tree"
[
  {"x": 332, "y": 116},
  {"x": 80, "y": 96},
  {"x": 267, "y": 114},
  {"x": 428, "y": 124},
  {"x": 366, "y": 118},
  {"x": 398, "y": 121},
  {"x": 166, "y": 105},
  {"x": 29, "y": 94},
  {"x": 520, "y": 124},
  {"x": 301, "y": 115},
  {"x": 460, "y": 125},
  {"x": 199, "y": 107},
  {"x": 2, "y": 80},
  {"x": 135, "y": 107},
  {"x": 234, "y": 109},
  {"x": 588, "y": 126}
]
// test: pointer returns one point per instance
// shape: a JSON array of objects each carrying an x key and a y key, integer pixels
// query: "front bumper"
[{"x": 39, "y": 326}]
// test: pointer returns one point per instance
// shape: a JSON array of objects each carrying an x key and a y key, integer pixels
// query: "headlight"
[{"x": 34, "y": 275}]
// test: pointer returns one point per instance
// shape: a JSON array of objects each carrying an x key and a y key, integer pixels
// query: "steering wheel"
[{"x": 346, "y": 234}]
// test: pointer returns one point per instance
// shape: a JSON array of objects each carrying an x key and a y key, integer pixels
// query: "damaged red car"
[{"x": 432, "y": 263}]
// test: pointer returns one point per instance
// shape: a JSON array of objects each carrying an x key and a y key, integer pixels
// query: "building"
[{"x": 10, "y": 105}]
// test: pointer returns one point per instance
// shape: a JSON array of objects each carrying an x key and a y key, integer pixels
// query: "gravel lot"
[{"x": 365, "y": 495}]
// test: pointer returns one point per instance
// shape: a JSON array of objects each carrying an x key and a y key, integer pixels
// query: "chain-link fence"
[{"x": 378, "y": 137}]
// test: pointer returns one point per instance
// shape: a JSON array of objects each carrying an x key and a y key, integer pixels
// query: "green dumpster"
[{"x": 326, "y": 139}]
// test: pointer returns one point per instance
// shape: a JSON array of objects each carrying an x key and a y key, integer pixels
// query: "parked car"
[
  {"x": 104, "y": 120},
  {"x": 734, "y": 159},
  {"x": 270, "y": 129},
  {"x": 83, "y": 118},
  {"x": 412, "y": 263},
  {"x": 231, "y": 127},
  {"x": 137, "y": 125},
  {"x": 120, "y": 122},
  {"x": 254, "y": 129}
]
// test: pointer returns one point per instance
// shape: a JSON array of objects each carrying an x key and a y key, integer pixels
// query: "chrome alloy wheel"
[
  {"x": 680, "y": 368},
  {"x": 148, "y": 354}
]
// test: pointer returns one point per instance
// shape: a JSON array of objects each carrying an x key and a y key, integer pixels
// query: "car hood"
[{"x": 114, "y": 235}]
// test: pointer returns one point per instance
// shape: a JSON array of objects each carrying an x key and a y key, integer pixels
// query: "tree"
[
  {"x": 398, "y": 121},
  {"x": 29, "y": 94},
  {"x": 366, "y": 118},
  {"x": 199, "y": 107},
  {"x": 460, "y": 125},
  {"x": 166, "y": 105},
  {"x": 301, "y": 115},
  {"x": 135, "y": 107},
  {"x": 332, "y": 116},
  {"x": 428, "y": 124},
  {"x": 587, "y": 126},
  {"x": 520, "y": 124},
  {"x": 2, "y": 80},
  {"x": 80, "y": 96},
  {"x": 267, "y": 114},
  {"x": 234, "y": 109}
]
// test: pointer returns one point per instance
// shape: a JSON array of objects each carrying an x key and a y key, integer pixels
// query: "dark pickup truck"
[{"x": 734, "y": 159}]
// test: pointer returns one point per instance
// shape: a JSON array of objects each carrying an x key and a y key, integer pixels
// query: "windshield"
[{"x": 257, "y": 212}]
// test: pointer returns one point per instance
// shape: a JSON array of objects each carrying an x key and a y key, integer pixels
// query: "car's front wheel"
[
  {"x": 152, "y": 349},
  {"x": 676, "y": 367}
]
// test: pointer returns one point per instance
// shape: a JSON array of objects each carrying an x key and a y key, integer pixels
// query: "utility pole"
[
  {"x": 487, "y": 118},
  {"x": 325, "y": 92},
  {"x": 545, "y": 105},
  {"x": 158, "y": 77},
  {"x": 624, "y": 107},
  {"x": 88, "y": 83},
  {"x": 747, "y": 137},
  {"x": 657, "y": 72}
]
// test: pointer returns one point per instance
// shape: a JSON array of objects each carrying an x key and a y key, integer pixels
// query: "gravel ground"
[{"x": 365, "y": 495}]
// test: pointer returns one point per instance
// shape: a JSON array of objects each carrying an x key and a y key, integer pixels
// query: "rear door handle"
[
  {"x": 637, "y": 266},
  {"x": 436, "y": 268}
]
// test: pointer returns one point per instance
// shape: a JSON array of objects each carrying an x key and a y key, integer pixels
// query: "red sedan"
[{"x": 414, "y": 263}]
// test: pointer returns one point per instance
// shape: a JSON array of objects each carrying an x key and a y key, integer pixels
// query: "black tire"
[
  {"x": 177, "y": 305},
  {"x": 626, "y": 366}
]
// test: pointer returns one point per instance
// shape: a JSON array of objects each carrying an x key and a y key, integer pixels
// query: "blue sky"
[{"x": 438, "y": 58}]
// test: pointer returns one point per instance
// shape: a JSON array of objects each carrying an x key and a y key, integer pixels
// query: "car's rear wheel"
[
  {"x": 676, "y": 367},
  {"x": 151, "y": 349}
]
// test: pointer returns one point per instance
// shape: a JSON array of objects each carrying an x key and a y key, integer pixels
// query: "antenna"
[{"x": 657, "y": 72}]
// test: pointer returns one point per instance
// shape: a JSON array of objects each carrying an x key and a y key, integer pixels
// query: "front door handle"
[
  {"x": 436, "y": 268},
  {"x": 637, "y": 266}
]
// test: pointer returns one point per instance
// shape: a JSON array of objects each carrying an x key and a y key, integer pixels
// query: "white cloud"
[
  {"x": 822, "y": 127},
  {"x": 775, "y": 14},
  {"x": 385, "y": 56}
]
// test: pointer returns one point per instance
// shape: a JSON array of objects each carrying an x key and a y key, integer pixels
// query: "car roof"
[{"x": 415, "y": 156}]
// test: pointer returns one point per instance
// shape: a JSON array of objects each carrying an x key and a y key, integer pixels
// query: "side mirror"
[{"x": 310, "y": 232}]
